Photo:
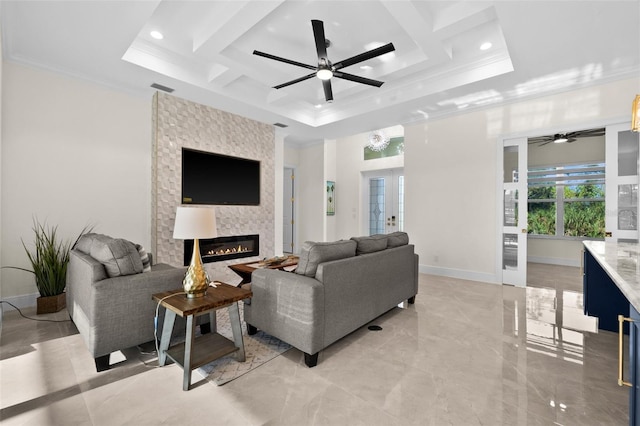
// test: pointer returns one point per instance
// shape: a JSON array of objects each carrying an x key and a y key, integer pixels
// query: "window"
[{"x": 567, "y": 200}]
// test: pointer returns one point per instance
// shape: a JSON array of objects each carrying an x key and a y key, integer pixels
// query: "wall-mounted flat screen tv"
[{"x": 209, "y": 178}]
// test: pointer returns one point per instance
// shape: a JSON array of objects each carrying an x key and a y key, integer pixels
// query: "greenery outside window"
[{"x": 567, "y": 200}]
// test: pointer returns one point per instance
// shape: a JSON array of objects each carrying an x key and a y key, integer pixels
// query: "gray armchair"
[{"x": 117, "y": 312}]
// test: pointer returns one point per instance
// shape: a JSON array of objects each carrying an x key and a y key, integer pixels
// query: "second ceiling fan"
[{"x": 325, "y": 69}]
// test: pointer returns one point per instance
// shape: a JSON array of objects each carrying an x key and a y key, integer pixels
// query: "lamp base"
[
  {"x": 196, "y": 281},
  {"x": 196, "y": 295}
]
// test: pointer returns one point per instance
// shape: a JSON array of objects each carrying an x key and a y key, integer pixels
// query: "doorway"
[
  {"x": 556, "y": 194},
  {"x": 383, "y": 201}
]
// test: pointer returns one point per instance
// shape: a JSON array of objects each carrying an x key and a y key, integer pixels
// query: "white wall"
[
  {"x": 330, "y": 173},
  {"x": 74, "y": 153},
  {"x": 310, "y": 192},
  {"x": 450, "y": 172}
]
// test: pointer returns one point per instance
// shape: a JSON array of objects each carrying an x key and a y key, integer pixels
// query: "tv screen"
[{"x": 209, "y": 178}]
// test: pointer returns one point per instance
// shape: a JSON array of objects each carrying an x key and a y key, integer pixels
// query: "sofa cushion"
[
  {"x": 397, "y": 239},
  {"x": 86, "y": 241},
  {"x": 313, "y": 254},
  {"x": 370, "y": 244}
]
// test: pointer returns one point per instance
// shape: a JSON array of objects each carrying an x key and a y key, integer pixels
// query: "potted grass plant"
[{"x": 49, "y": 260}]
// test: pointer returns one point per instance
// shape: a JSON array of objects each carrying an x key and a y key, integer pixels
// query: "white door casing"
[{"x": 288, "y": 210}]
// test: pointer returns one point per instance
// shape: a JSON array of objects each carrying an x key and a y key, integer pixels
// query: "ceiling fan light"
[
  {"x": 560, "y": 139},
  {"x": 324, "y": 74}
]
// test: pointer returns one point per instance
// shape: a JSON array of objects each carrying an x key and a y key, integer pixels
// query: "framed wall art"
[{"x": 331, "y": 198}]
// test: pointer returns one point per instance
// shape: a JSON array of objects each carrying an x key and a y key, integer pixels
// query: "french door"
[
  {"x": 513, "y": 208},
  {"x": 383, "y": 201}
]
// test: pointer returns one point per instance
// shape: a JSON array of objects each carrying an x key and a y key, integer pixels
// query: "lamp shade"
[{"x": 195, "y": 223}]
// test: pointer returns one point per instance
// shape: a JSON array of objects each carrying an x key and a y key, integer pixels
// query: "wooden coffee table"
[
  {"x": 244, "y": 270},
  {"x": 194, "y": 353}
]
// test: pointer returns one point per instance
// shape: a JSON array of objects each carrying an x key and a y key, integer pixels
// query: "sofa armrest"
[
  {"x": 116, "y": 313},
  {"x": 288, "y": 306}
]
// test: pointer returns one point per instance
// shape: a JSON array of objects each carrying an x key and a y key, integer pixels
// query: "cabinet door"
[
  {"x": 602, "y": 297},
  {"x": 621, "y": 192}
]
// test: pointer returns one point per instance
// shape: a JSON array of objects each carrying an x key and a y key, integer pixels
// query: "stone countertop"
[{"x": 621, "y": 261}]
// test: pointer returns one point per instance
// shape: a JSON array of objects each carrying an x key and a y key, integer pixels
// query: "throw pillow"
[
  {"x": 370, "y": 244},
  {"x": 313, "y": 254},
  {"x": 397, "y": 239},
  {"x": 144, "y": 257},
  {"x": 119, "y": 257},
  {"x": 86, "y": 241}
]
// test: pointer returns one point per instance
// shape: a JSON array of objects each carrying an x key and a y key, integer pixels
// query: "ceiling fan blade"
[
  {"x": 328, "y": 93},
  {"x": 357, "y": 79},
  {"x": 321, "y": 43},
  {"x": 545, "y": 143},
  {"x": 587, "y": 133},
  {"x": 365, "y": 56},
  {"x": 297, "y": 80},
  {"x": 286, "y": 61},
  {"x": 540, "y": 139}
]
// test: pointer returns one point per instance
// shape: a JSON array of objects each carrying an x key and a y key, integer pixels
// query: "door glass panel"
[
  {"x": 510, "y": 165},
  {"x": 627, "y": 153},
  {"x": 376, "y": 206},
  {"x": 510, "y": 207},
  {"x": 510, "y": 252},
  {"x": 628, "y": 207}
]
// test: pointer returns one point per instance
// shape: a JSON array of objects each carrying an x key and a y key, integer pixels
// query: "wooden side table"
[
  {"x": 194, "y": 353},
  {"x": 244, "y": 270}
]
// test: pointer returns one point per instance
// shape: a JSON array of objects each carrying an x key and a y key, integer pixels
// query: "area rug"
[{"x": 259, "y": 349}]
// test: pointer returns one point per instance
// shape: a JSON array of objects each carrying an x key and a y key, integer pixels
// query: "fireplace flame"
[{"x": 230, "y": 250}]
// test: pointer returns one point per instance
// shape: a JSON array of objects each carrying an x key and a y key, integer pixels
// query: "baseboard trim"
[
  {"x": 21, "y": 301},
  {"x": 459, "y": 274}
]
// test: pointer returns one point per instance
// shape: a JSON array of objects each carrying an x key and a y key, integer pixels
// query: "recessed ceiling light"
[
  {"x": 486, "y": 45},
  {"x": 318, "y": 106},
  {"x": 156, "y": 34},
  {"x": 366, "y": 67}
]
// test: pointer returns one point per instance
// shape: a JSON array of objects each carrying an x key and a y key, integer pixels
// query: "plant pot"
[{"x": 51, "y": 304}]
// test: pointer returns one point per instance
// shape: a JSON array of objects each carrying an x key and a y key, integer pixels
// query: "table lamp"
[{"x": 195, "y": 223}]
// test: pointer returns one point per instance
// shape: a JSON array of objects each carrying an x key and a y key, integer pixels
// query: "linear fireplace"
[{"x": 224, "y": 248}]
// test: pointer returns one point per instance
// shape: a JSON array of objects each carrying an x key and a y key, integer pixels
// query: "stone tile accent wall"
[{"x": 180, "y": 123}]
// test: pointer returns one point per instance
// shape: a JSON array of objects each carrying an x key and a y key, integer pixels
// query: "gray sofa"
[
  {"x": 109, "y": 286},
  {"x": 336, "y": 288}
]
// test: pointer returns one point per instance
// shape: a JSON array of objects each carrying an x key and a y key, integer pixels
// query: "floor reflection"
[{"x": 550, "y": 337}]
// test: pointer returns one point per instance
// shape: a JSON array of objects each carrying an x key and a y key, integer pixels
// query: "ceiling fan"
[
  {"x": 566, "y": 137},
  {"x": 325, "y": 69}
]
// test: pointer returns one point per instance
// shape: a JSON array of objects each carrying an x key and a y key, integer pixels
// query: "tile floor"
[{"x": 466, "y": 353}]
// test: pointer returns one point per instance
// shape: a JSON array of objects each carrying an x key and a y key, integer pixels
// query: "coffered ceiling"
[{"x": 438, "y": 67}]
